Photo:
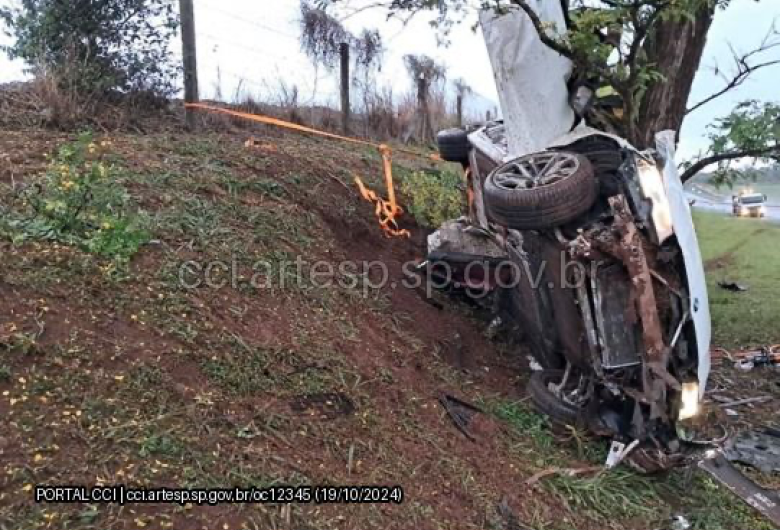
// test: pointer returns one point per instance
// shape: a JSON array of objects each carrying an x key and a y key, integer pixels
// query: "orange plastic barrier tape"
[{"x": 386, "y": 210}]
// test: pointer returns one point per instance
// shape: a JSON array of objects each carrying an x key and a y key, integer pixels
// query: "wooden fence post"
[
  {"x": 187, "y": 14},
  {"x": 345, "y": 110}
]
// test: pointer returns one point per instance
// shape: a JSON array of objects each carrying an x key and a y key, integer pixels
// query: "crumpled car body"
[{"x": 608, "y": 289}]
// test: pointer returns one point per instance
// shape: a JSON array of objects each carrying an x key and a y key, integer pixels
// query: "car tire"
[
  {"x": 548, "y": 403},
  {"x": 603, "y": 153},
  {"x": 454, "y": 145},
  {"x": 548, "y": 200}
]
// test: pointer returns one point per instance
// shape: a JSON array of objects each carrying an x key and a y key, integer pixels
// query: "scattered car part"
[
  {"x": 757, "y": 449},
  {"x": 749, "y": 359},
  {"x": 765, "y": 501},
  {"x": 540, "y": 190},
  {"x": 732, "y": 286},
  {"x": 461, "y": 413},
  {"x": 618, "y": 451},
  {"x": 680, "y": 522},
  {"x": 454, "y": 145},
  {"x": 746, "y": 401}
]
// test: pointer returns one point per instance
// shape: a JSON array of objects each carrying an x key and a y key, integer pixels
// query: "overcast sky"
[{"x": 255, "y": 44}]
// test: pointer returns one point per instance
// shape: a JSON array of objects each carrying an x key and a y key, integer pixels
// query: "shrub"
[
  {"x": 434, "y": 197},
  {"x": 99, "y": 46},
  {"x": 78, "y": 201}
]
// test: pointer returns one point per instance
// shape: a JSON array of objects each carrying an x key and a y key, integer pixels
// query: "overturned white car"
[{"x": 588, "y": 247}]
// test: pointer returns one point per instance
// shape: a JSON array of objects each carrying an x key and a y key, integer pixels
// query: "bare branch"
[
  {"x": 702, "y": 163},
  {"x": 743, "y": 67}
]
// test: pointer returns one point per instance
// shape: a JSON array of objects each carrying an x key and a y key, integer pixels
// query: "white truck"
[{"x": 749, "y": 204}]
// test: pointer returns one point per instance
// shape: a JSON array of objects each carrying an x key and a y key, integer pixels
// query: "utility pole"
[
  {"x": 459, "y": 109},
  {"x": 187, "y": 15},
  {"x": 345, "y": 110}
]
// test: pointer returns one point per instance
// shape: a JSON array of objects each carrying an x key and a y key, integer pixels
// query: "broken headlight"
[
  {"x": 653, "y": 189},
  {"x": 689, "y": 401}
]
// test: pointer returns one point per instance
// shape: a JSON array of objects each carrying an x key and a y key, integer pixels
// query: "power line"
[
  {"x": 266, "y": 85},
  {"x": 263, "y": 52},
  {"x": 249, "y": 22}
]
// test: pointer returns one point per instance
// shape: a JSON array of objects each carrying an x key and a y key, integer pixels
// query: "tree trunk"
[{"x": 676, "y": 48}]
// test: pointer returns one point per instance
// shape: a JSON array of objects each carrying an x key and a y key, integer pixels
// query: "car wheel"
[
  {"x": 547, "y": 402},
  {"x": 542, "y": 190},
  {"x": 454, "y": 145},
  {"x": 604, "y": 154}
]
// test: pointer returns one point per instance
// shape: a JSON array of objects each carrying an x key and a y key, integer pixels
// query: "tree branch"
[
  {"x": 735, "y": 81},
  {"x": 702, "y": 163},
  {"x": 744, "y": 69},
  {"x": 540, "y": 29}
]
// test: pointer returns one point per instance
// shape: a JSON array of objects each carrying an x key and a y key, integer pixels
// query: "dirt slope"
[{"x": 126, "y": 376}]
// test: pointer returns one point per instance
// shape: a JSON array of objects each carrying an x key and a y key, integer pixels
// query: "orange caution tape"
[{"x": 386, "y": 210}]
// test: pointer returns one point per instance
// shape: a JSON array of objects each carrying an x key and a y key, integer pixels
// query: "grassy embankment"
[{"x": 746, "y": 251}]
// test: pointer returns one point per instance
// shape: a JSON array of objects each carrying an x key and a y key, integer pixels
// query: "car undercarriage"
[
  {"x": 585, "y": 246},
  {"x": 577, "y": 248}
]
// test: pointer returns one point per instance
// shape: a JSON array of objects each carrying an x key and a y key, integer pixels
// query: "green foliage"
[
  {"x": 752, "y": 128},
  {"x": 590, "y": 23},
  {"x": 78, "y": 201},
  {"x": 618, "y": 493},
  {"x": 525, "y": 422},
  {"x": 97, "y": 46},
  {"x": 434, "y": 197}
]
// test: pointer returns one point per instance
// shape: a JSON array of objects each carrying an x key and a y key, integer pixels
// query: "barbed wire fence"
[
  {"x": 275, "y": 74},
  {"x": 267, "y": 73}
]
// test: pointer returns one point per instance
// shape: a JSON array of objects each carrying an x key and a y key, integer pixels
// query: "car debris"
[
  {"x": 746, "y": 360},
  {"x": 767, "y": 502},
  {"x": 765, "y": 357},
  {"x": 461, "y": 413},
  {"x": 618, "y": 452},
  {"x": 759, "y": 449},
  {"x": 733, "y": 286},
  {"x": 746, "y": 401},
  {"x": 680, "y": 522}
]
